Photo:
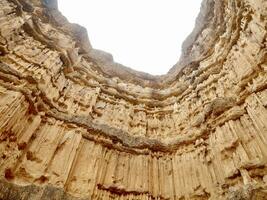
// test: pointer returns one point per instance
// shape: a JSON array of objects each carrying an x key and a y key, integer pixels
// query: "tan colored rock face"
[{"x": 76, "y": 125}]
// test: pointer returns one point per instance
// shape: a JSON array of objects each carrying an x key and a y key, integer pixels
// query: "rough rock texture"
[{"x": 76, "y": 125}]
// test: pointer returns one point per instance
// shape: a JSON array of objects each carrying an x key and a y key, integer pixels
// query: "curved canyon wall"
[{"x": 76, "y": 125}]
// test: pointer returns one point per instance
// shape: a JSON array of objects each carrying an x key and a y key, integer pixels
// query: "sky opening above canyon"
[{"x": 145, "y": 35}]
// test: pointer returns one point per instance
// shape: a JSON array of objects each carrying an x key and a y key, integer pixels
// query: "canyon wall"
[{"x": 76, "y": 125}]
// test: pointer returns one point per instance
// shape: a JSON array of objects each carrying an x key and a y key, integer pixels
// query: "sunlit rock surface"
[{"x": 76, "y": 125}]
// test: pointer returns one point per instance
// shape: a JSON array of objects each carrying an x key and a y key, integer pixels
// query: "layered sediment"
[{"x": 76, "y": 125}]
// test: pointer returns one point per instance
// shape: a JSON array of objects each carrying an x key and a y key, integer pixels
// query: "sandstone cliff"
[{"x": 76, "y": 125}]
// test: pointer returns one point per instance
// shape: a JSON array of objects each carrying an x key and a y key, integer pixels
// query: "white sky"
[{"x": 145, "y": 35}]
